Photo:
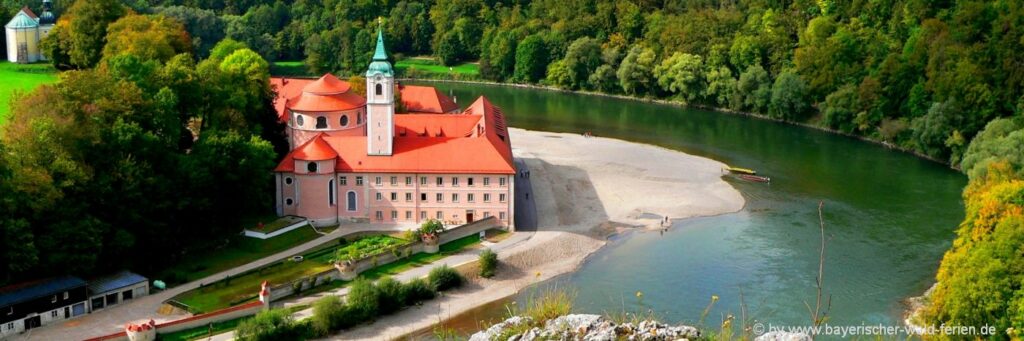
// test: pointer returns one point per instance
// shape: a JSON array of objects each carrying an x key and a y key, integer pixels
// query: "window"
[
  {"x": 380, "y": 196},
  {"x": 455, "y": 197},
  {"x": 394, "y": 215},
  {"x": 501, "y": 197},
  {"x": 408, "y": 196},
  {"x": 487, "y": 181},
  {"x": 11, "y": 312},
  {"x": 469, "y": 197},
  {"x": 394, "y": 196},
  {"x": 469, "y": 182},
  {"x": 66, "y": 295},
  {"x": 376, "y": 181},
  {"x": 351, "y": 200},
  {"x": 440, "y": 215},
  {"x": 423, "y": 181},
  {"x": 289, "y": 201},
  {"x": 10, "y": 325},
  {"x": 394, "y": 180},
  {"x": 298, "y": 120},
  {"x": 127, "y": 295},
  {"x": 330, "y": 193},
  {"x": 487, "y": 214},
  {"x": 408, "y": 181},
  {"x": 359, "y": 181},
  {"x": 423, "y": 215},
  {"x": 423, "y": 196},
  {"x": 321, "y": 122},
  {"x": 501, "y": 181},
  {"x": 378, "y": 90},
  {"x": 487, "y": 197},
  {"x": 359, "y": 117},
  {"x": 455, "y": 181},
  {"x": 379, "y": 215},
  {"x": 440, "y": 197},
  {"x": 53, "y": 313},
  {"x": 440, "y": 181},
  {"x": 408, "y": 215},
  {"x": 343, "y": 180},
  {"x": 287, "y": 180},
  {"x": 344, "y": 120},
  {"x": 54, "y": 299},
  {"x": 501, "y": 215},
  {"x": 311, "y": 167}
]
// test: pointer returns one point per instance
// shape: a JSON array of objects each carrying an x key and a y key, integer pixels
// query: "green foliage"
[
  {"x": 753, "y": 90},
  {"x": 488, "y": 263},
  {"x": 273, "y": 324},
  {"x": 431, "y": 226},
  {"x": 789, "y": 100},
  {"x": 82, "y": 38},
  {"x": 150, "y": 37},
  {"x": 327, "y": 314},
  {"x": 635, "y": 72},
  {"x": 841, "y": 108},
  {"x": 203, "y": 25},
  {"x": 416, "y": 291},
  {"x": 1002, "y": 140},
  {"x": 391, "y": 295},
  {"x": 531, "y": 59},
  {"x": 364, "y": 299},
  {"x": 444, "y": 278},
  {"x": 682, "y": 74}
]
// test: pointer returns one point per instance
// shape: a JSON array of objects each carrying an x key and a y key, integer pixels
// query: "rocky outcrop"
[
  {"x": 783, "y": 336},
  {"x": 583, "y": 327}
]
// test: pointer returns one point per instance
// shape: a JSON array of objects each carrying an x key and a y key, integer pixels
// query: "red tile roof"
[
  {"x": 286, "y": 88},
  {"x": 475, "y": 141},
  {"x": 28, "y": 11},
  {"x": 327, "y": 85},
  {"x": 426, "y": 99}
]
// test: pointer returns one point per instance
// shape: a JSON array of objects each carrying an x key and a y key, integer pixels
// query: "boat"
[
  {"x": 755, "y": 178},
  {"x": 737, "y": 170}
]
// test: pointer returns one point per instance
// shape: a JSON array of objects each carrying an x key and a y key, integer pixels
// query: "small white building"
[{"x": 24, "y": 32}]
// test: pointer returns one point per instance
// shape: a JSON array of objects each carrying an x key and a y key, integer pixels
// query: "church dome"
[
  {"x": 47, "y": 18},
  {"x": 379, "y": 67},
  {"x": 327, "y": 85}
]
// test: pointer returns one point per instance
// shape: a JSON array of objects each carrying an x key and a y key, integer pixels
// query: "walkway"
[
  {"x": 525, "y": 204},
  {"x": 112, "y": 320}
]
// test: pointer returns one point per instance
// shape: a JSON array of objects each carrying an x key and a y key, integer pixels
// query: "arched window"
[
  {"x": 321, "y": 122},
  {"x": 330, "y": 192},
  {"x": 379, "y": 89},
  {"x": 311, "y": 167},
  {"x": 344, "y": 120},
  {"x": 289, "y": 201},
  {"x": 351, "y": 200},
  {"x": 298, "y": 120},
  {"x": 288, "y": 180},
  {"x": 359, "y": 117}
]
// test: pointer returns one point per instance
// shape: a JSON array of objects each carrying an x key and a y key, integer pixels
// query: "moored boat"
[
  {"x": 737, "y": 170},
  {"x": 755, "y": 178}
]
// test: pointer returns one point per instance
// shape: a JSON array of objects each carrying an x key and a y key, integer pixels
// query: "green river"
[{"x": 889, "y": 217}]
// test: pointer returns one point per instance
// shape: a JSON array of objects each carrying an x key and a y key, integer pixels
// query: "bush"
[
  {"x": 364, "y": 299},
  {"x": 488, "y": 263},
  {"x": 391, "y": 297},
  {"x": 274, "y": 324},
  {"x": 327, "y": 313},
  {"x": 416, "y": 291},
  {"x": 443, "y": 278}
]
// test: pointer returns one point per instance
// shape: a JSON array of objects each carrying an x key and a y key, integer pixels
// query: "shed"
[{"x": 120, "y": 287}]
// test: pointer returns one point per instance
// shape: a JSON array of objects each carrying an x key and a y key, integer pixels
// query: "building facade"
[
  {"x": 25, "y": 31},
  {"x": 353, "y": 158},
  {"x": 33, "y": 304}
]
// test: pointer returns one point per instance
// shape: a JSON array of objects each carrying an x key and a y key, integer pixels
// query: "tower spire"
[{"x": 380, "y": 54}]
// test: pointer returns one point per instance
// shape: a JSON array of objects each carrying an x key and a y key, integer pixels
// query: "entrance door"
[
  {"x": 32, "y": 322},
  {"x": 67, "y": 312},
  {"x": 469, "y": 217}
]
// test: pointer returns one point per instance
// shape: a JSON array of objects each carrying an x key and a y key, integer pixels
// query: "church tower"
[{"x": 380, "y": 102}]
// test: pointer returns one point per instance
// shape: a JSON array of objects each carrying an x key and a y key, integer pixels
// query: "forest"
[{"x": 165, "y": 107}]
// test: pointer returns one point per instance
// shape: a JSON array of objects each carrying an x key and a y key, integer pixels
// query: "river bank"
[
  {"x": 676, "y": 103},
  {"x": 585, "y": 189}
]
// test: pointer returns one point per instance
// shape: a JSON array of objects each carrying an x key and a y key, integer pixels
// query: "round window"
[
  {"x": 288, "y": 180},
  {"x": 311, "y": 167},
  {"x": 288, "y": 201},
  {"x": 298, "y": 120},
  {"x": 344, "y": 120}
]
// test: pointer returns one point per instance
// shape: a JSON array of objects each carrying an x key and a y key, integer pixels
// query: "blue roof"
[
  {"x": 114, "y": 282},
  {"x": 28, "y": 291},
  {"x": 22, "y": 20}
]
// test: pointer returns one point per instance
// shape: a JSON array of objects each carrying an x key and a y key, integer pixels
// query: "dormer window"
[
  {"x": 379, "y": 89},
  {"x": 311, "y": 167},
  {"x": 298, "y": 120},
  {"x": 321, "y": 122},
  {"x": 344, "y": 120}
]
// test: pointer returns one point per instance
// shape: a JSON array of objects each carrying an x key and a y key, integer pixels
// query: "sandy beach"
[{"x": 585, "y": 189}]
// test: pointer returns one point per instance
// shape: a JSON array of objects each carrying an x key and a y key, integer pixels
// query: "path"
[
  {"x": 113, "y": 319},
  {"x": 526, "y": 207}
]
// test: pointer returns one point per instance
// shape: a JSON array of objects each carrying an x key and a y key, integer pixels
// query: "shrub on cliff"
[
  {"x": 488, "y": 263},
  {"x": 978, "y": 280},
  {"x": 443, "y": 278}
]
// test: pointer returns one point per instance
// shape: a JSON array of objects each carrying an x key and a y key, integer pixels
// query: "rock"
[
  {"x": 783, "y": 336},
  {"x": 585, "y": 327},
  {"x": 497, "y": 329}
]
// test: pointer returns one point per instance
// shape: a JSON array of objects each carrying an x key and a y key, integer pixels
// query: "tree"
[
  {"x": 1000, "y": 141},
  {"x": 450, "y": 50},
  {"x": 581, "y": 59},
  {"x": 931, "y": 131},
  {"x": 721, "y": 86},
  {"x": 753, "y": 90},
  {"x": 87, "y": 29},
  {"x": 603, "y": 79},
  {"x": 409, "y": 29},
  {"x": 531, "y": 58},
  {"x": 204, "y": 27},
  {"x": 682, "y": 74},
  {"x": 273, "y": 324},
  {"x": 789, "y": 98},
  {"x": 146, "y": 36},
  {"x": 841, "y": 108},
  {"x": 558, "y": 75},
  {"x": 635, "y": 72}
]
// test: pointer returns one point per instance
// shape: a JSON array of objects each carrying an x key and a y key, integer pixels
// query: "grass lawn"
[
  {"x": 21, "y": 78},
  {"x": 204, "y": 331},
  {"x": 239, "y": 251},
  {"x": 289, "y": 68},
  {"x": 244, "y": 288},
  {"x": 428, "y": 66}
]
